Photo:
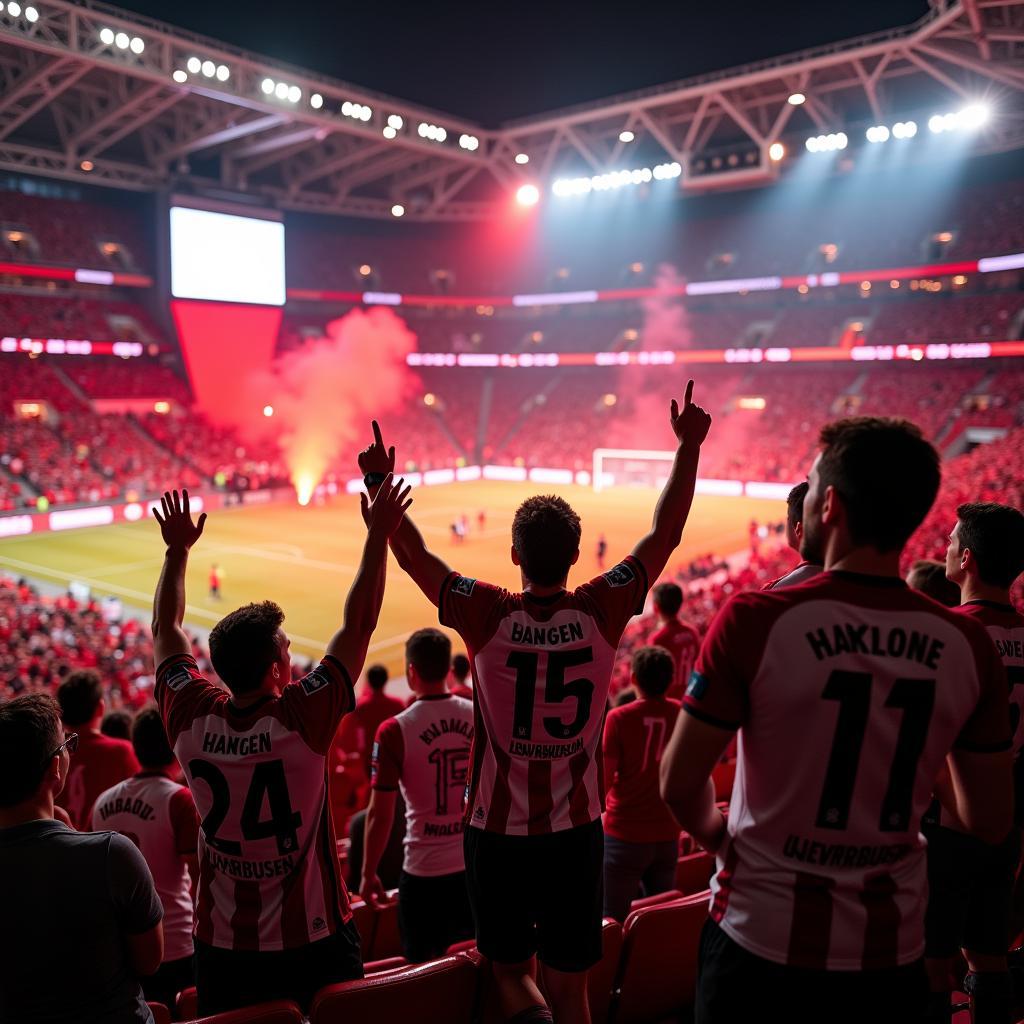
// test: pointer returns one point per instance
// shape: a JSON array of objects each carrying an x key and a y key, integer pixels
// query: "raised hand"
[
  {"x": 176, "y": 526},
  {"x": 385, "y": 511},
  {"x": 375, "y": 458},
  {"x": 690, "y": 425}
]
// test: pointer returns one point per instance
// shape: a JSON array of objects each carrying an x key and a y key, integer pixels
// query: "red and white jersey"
[
  {"x": 682, "y": 641},
  {"x": 159, "y": 816},
  {"x": 99, "y": 763},
  {"x": 634, "y": 740},
  {"x": 424, "y": 751},
  {"x": 848, "y": 692},
  {"x": 800, "y": 573},
  {"x": 269, "y": 877},
  {"x": 541, "y": 671},
  {"x": 1006, "y": 627}
]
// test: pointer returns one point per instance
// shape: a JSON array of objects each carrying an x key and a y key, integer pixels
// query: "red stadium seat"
[
  {"x": 657, "y": 978},
  {"x": 656, "y": 900},
  {"x": 387, "y": 939},
  {"x": 602, "y": 975},
  {"x": 389, "y": 963},
  {"x": 187, "y": 1003},
  {"x": 161, "y": 1015},
  {"x": 366, "y": 921},
  {"x": 693, "y": 872},
  {"x": 280, "y": 1011},
  {"x": 439, "y": 992}
]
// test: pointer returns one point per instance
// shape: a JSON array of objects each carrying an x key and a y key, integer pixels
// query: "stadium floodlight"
[
  {"x": 32, "y": 15},
  {"x": 14, "y": 10},
  {"x": 878, "y": 133},
  {"x": 106, "y": 36},
  {"x": 180, "y": 76},
  {"x": 121, "y": 40},
  {"x": 626, "y": 136},
  {"x": 398, "y": 210},
  {"x": 776, "y": 151},
  {"x": 294, "y": 94},
  {"x": 389, "y": 132},
  {"x": 194, "y": 65},
  {"x": 469, "y": 142},
  {"x": 281, "y": 90},
  {"x": 209, "y": 69},
  {"x": 267, "y": 85},
  {"x": 223, "y": 73},
  {"x": 974, "y": 116},
  {"x": 904, "y": 129},
  {"x": 268, "y": 411},
  {"x": 827, "y": 143},
  {"x": 395, "y": 121},
  {"x": 796, "y": 99},
  {"x": 522, "y": 158},
  {"x": 316, "y": 101},
  {"x": 136, "y": 45},
  {"x": 527, "y": 195}
]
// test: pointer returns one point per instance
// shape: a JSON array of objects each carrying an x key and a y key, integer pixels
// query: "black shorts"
[
  {"x": 970, "y": 886},
  {"x": 433, "y": 913},
  {"x": 734, "y": 985},
  {"x": 538, "y": 895}
]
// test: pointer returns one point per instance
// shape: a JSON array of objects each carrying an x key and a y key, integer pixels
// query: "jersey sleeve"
[
  {"x": 388, "y": 755},
  {"x": 719, "y": 684},
  {"x": 184, "y": 822},
  {"x": 617, "y": 595},
  {"x": 469, "y": 607},
  {"x": 988, "y": 729},
  {"x": 136, "y": 903},
  {"x": 182, "y": 694},
  {"x": 317, "y": 702}
]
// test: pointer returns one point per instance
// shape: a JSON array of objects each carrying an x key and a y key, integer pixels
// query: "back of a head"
[
  {"x": 668, "y": 599},
  {"x": 795, "y": 509},
  {"x": 460, "y": 667},
  {"x": 654, "y": 670},
  {"x": 546, "y": 538},
  {"x": 117, "y": 724},
  {"x": 79, "y": 697},
  {"x": 429, "y": 652},
  {"x": 885, "y": 473},
  {"x": 149, "y": 740},
  {"x": 29, "y": 731},
  {"x": 995, "y": 536},
  {"x": 243, "y": 645},
  {"x": 377, "y": 677},
  {"x": 930, "y": 579}
]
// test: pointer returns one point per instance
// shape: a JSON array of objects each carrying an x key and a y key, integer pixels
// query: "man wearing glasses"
[{"x": 82, "y": 900}]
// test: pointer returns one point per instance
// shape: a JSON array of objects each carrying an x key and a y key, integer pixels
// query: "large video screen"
[{"x": 226, "y": 258}]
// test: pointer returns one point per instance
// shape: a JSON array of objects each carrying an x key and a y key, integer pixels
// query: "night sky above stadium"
[{"x": 493, "y": 61}]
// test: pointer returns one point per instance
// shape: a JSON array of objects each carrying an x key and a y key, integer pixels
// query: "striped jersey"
[
  {"x": 159, "y": 816},
  {"x": 848, "y": 692},
  {"x": 424, "y": 751},
  {"x": 269, "y": 877},
  {"x": 541, "y": 671}
]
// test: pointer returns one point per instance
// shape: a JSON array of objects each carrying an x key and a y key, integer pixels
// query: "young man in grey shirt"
[{"x": 81, "y": 918}]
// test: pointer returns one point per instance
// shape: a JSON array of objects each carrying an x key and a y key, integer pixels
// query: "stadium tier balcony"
[
  {"x": 33, "y": 380},
  {"x": 947, "y": 318},
  {"x": 103, "y": 377},
  {"x": 35, "y": 315}
]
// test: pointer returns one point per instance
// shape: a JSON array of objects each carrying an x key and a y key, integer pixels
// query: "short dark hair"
[
  {"x": 668, "y": 598},
  {"x": 546, "y": 537},
  {"x": 377, "y": 676},
  {"x": 149, "y": 740},
  {"x": 929, "y": 577},
  {"x": 79, "y": 696},
  {"x": 460, "y": 666},
  {"x": 243, "y": 645},
  {"x": 654, "y": 670},
  {"x": 117, "y": 724},
  {"x": 29, "y": 731},
  {"x": 795, "y": 504},
  {"x": 886, "y": 473},
  {"x": 995, "y": 535},
  {"x": 429, "y": 651}
]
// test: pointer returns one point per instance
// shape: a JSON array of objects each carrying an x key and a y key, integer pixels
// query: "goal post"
[{"x": 630, "y": 467}]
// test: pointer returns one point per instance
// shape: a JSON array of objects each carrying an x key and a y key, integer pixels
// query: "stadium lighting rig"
[
  {"x": 108, "y": 37},
  {"x": 563, "y": 187}
]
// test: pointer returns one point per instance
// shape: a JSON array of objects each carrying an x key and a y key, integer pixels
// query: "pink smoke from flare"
[
  {"x": 642, "y": 417},
  {"x": 325, "y": 393}
]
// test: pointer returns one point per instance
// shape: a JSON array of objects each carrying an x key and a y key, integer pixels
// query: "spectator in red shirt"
[
  {"x": 372, "y": 708},
  {"x": 461, "y": 684},
  {"x": 679, "y": 638},
  {"x": 102, "y": 761},
  {"x": 641, "y": 844}
]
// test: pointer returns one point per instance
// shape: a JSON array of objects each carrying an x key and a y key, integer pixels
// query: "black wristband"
[{"x": 374, "y": 479}]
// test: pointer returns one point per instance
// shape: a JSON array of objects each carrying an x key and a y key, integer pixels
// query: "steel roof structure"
[{"x": 93, "y": 93}]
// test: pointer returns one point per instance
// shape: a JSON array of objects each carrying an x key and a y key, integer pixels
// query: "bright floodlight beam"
[{"x": 527, "y": 195}]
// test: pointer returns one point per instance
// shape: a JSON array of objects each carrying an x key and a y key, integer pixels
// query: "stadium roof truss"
[{"x": 93, "y": 93}]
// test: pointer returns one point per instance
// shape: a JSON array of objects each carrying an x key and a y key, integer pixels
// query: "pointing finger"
[
  {"x": 377, "y": 435},
  {"x": 688, "y": 397}
]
